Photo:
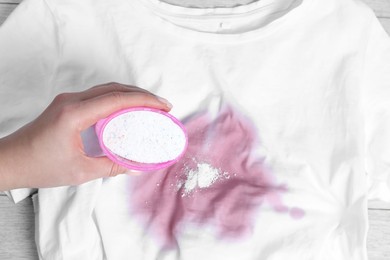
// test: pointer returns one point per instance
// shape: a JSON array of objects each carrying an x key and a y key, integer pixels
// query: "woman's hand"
[{"x": 49, "y": 152}]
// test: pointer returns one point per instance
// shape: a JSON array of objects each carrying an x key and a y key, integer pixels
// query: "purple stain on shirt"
[{"x": 237, "y": 183}]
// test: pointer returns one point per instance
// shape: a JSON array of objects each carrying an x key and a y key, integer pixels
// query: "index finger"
[
  {"x": 107, "y": 88},
  {"x": 94, "y": 109}
]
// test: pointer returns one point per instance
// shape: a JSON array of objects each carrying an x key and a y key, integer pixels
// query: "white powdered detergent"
[
  {"x": 145, "y": 137},
  {"x": 202, "y": 177}
]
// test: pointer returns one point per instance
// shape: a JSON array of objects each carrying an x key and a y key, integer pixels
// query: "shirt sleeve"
[
  {"x": 28, "y": 54},
  {"x": 376, "y": 103}
]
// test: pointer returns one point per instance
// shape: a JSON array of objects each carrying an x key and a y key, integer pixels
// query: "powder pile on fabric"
[
  {"x": 202, "y": 177},
  {"x": 145, "y": 137}
]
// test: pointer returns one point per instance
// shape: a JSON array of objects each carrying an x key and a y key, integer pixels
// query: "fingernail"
[{"x": 166, "y": 102}]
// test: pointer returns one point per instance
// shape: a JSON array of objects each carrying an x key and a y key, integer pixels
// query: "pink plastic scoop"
[{"x": 142, "y": 138}]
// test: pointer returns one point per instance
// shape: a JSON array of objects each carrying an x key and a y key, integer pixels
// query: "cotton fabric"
[{"x": 288, "y": 101}]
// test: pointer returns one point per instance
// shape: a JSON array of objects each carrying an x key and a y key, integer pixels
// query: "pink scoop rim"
[{"x": 101, "y": 124}]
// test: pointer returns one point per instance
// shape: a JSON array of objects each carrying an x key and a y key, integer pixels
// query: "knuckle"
[
  {"x": 62, "y": 98},
  {"x": 96, "y": 86},
  {"x": 115, "y": 86},
  {"x": 67, "y": 111},
  {"x": 117, "y": 96},
  {"x": 132, "y": 87},
  {"x": 112, "y": 83}
]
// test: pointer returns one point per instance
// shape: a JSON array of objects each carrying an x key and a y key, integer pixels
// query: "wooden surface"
[
  {"x": 17, "y": 221},
  {"x": 5, "y": 10},
  {"x": 378, "y": 243},
  {"x": 17, "y": 230}
]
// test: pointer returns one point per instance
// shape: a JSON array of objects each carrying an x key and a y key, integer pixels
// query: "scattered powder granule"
[
  {"x": 144, "y": 137},
  {"x": 202, "y": 177}
]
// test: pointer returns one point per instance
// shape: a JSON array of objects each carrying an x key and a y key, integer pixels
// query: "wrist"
[{"x": 10, "y": 166}]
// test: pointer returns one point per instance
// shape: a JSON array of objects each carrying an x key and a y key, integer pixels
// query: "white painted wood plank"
[
  {"x": 10, "y": 1},
  {"x": 17, "y": 230},
  {"x": 376, "y": 204},
  {"x": 386, "y": 23},
  {"x": 5, "y": 10},
  {"x": 378, "y": 242},
  {"x": 380, "y": 7}
]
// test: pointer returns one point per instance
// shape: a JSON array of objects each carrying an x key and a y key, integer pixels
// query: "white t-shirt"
[{"x": 287, "y": 107}]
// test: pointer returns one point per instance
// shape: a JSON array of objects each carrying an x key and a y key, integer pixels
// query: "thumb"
[{"x": 104, "y": 167}]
